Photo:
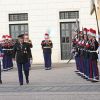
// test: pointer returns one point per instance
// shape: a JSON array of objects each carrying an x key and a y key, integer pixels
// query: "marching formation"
[{"x": 85, "y": 48}]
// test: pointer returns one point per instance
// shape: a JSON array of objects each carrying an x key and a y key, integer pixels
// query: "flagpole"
[{"x": 96, "y": 19}]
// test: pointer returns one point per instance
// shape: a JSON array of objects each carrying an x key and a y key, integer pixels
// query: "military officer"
[
  {"x": 22, "y": 53},
  {"x": 47, "y": 51}
]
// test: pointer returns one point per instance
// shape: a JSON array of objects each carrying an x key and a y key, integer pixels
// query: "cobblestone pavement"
[{"x": 60, "y": 83}]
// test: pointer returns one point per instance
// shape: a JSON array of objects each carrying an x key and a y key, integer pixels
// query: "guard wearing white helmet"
[
  {"x": 94, "y": 71},
  {"x": 7, "y": 47},
  {"x": 47, "y": 51}
]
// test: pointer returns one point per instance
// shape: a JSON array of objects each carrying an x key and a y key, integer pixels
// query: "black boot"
[
  {"x": 21, "y": 84},
  {"x": 0, "y": 81},
  {"x": 27, "y": 81},
  {"x": 27, "y": 76}
]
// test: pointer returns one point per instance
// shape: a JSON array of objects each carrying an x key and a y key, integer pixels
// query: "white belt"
[
  {"x": 82, "y": 49},
  {"x": 87, "y": 50},
  {"x": 7, "y": 49},
  {"x": 46, "y": 47},
  {"x": 92, "y": 51}
]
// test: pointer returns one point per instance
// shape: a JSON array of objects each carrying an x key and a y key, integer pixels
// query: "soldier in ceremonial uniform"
[
  {"x": 80, "y": 53},
  {"x": 76, "y": 46},
  {"x": 86, "y": 58},
  {"x": 47, "y": 51},
  {"x": 75, "y": 51},
  {"x": 94, "y": 71},
  {"x": 23, "y": 54},
  {"x": 7, "y": 47},
  {"x": 86, "y": 54}
]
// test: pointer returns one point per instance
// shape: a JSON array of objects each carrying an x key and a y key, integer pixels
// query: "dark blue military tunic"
[
  {"x": 23, "y": 54},
  {"x": 7, "y": 58},
  {"x": 47, "y": 51}
]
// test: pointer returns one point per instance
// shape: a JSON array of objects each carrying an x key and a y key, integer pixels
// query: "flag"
[
  {"x": 98, "y": 9},
  {"x": 92, "y": 7}
]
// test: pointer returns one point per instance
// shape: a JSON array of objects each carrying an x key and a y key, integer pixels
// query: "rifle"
[
  {"x": 97, "y": 20},
  {"x": 76, "y": 36},
  {"x": 70, "y": 59}
]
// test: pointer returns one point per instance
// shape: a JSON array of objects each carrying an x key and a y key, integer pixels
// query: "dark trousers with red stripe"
[
  {"x": 77, "y": 63},
  {"x": 81, "y": 65},
  {"x": 94, "y": 71},
  {"x": 47, "y": 59},
  {"x": 86, "y": 67},
  {"x": 7, "y": 62}
]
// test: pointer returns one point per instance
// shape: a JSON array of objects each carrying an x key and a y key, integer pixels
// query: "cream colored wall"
[{"x": 44, "y": 15}]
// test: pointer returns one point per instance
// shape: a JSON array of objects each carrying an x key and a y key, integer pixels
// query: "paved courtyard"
[{"x": 60, "y": 83}]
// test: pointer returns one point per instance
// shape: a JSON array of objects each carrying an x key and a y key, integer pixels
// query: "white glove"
[{"x": 31, "y": 60}]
